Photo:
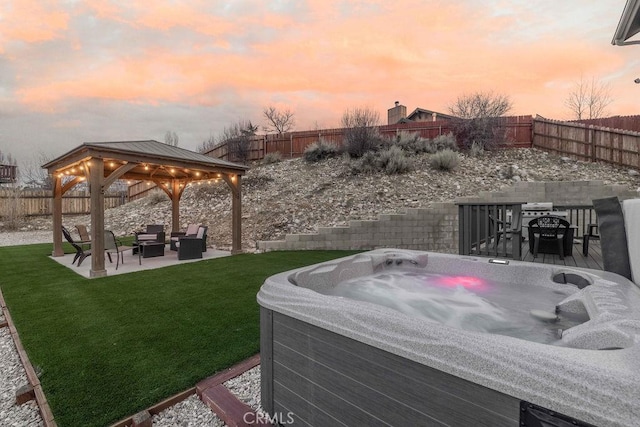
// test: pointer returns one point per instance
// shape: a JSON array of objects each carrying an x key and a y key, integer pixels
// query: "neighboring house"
[
  {"x": 398, "y": 114},
  {"x": 8, "y": 174},
  {"x": 629, "y": 24}
]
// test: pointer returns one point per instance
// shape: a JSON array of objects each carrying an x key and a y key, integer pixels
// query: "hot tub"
[{"x": 332, "y": 355}]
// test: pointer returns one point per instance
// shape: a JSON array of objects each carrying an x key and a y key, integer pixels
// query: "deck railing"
[
  {"x": 490, "y": 229},
  {"x": 495, "y": 229}
]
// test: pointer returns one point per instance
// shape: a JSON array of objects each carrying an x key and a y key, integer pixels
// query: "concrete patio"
[{"x": 131, "y": 264}]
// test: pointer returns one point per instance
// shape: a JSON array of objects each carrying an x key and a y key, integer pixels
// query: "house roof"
[
  {"x": 629, "y": 24},
  {"x": 418, "y": 111},
  {"x": 152, "y": 160}
]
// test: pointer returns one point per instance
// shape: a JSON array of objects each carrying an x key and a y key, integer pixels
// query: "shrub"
[
  {"x": 476, "y": 150},
  {"x": 412, "y": 142},
  {"x": 360, "y": 131},
  {"x": 367, "y": 164},
  {"x": 394, "y": 161},
  {"x": 445, "y": 142},
  {"x": 391, "y": 161},
  {"x": 270, "y": 158},
  {"x": 445, "y": 160},
  {"x": 320, "y": 150}
]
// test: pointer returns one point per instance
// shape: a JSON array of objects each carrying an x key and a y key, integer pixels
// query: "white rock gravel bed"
[
  {"x": 12, "y": 377},
  {"x": 191, "y": 412},
  {"x": 16, "y": 238},
  {"x": 246, "y": 387}
]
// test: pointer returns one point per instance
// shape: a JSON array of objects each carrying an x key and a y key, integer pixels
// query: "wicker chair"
[{"x": 192, "y": 247}]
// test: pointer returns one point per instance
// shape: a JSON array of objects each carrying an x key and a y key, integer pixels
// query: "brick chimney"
[{"x": 397, "y": 113}]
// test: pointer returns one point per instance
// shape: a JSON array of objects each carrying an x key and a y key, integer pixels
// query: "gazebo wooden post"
[
  {"x": 96, "y": 179},
  {"x": 175, "y": 205},
  {"x": 236, "y": 215},
  {"x": 57, "y": 217}
]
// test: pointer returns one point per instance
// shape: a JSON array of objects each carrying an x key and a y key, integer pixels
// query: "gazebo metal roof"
[{"x": 170, "y": 167}]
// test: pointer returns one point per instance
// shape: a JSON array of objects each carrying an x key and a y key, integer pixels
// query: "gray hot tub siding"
[
  {"x": 324, "y": 356},
  {"x": 323, "y": 378}
]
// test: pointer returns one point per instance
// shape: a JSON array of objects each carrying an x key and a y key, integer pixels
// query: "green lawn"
[{"x": 112, "y": 346}]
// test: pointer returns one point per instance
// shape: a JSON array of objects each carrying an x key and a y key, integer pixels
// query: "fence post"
[{"x": 592, "y": 142}]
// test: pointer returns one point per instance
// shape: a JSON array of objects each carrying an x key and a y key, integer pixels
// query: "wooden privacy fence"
[
  {"x": 292, "y": 144},
  {"x": 587, "y": 142},
  {"x": 40, "y": 202}
]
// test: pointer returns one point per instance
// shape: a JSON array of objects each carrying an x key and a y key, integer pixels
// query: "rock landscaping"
[{"x": 294, "y": 196}]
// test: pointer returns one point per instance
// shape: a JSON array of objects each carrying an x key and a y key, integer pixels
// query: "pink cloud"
[{"x": 31, "y": 21}]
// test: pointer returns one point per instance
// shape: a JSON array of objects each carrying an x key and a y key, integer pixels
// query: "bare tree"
[
  {"x": 240, "y": 146},
  {"x": 278, "y": 121},
  {"x": 588, "y": 99},
  {"x": 171, "y": 138},
  {"x": 478, "y": 119},
  {"x": 481, "y": 104},
  {"x": 7, "y": 159},
  {"x": 32, "y": 173},
  {"x": 361, "y": 131},
  {"x": 207, "y": 144}
]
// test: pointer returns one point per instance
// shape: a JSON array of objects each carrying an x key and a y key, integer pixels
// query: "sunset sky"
[{"x": 98, "y": 70}]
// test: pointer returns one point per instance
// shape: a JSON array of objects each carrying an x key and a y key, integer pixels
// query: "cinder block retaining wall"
[{"x": 435, "y": 228}]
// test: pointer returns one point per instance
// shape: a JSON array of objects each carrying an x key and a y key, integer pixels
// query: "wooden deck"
[{"x": 593, "y": 260}]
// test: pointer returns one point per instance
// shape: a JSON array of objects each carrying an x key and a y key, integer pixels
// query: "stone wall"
[{"x": 435, "y": 228}]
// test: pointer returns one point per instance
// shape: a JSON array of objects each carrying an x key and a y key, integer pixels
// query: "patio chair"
[
  {"x": 85, "y": 238},
  {"x": 111, "y": 245},
  {"x": 192, "y": 247},
  {"x": 81, "y": 254},
  {"x": 549, "y": 228},
  {"x": 192, "y": 230},
  {"x": 506, "y": 229}
]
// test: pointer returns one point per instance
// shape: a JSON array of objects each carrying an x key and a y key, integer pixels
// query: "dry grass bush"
[
  {"x": 366, "y": 164},
  {"x": 412, "y": 142},
  {"x": 270, "y": 158},
  {"x": 392, "y": 161},
  {"x": 476, "y": 150},
  {"x": 445, "y": 160},
  {"x": 320, "y": 150},
  {"x": 444, "y": 142}
]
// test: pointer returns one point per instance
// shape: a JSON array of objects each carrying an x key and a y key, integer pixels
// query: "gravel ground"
[
  {"x": 15, "y": 238},
  {"x": 191, "y": 412},
  {"x": 12, "y": 377},
  {"x": 246, "y": 387}
]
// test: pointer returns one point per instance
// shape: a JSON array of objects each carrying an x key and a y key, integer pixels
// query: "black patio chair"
[
  {"x": 549, "y": 228},
  {"x": 81, "y": 254},
  {"x": 191, "y": 247}
]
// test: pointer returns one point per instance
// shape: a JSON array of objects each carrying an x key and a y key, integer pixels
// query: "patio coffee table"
[{"x": 150, "y": 249}]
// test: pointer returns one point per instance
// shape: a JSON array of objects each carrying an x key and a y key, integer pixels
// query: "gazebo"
[{"x": 171, "y": 168}]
